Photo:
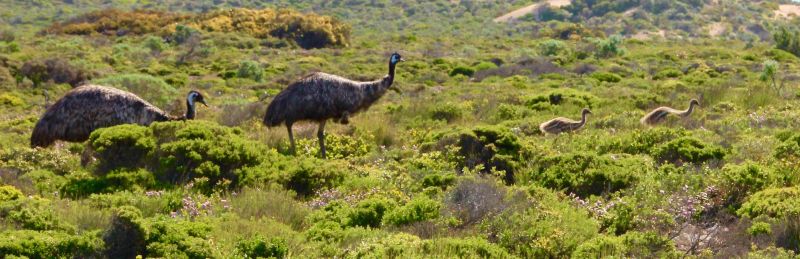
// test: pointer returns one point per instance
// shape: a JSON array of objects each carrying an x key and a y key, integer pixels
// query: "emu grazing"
[
  {"x": 90, "y": 107},
  {"x": 660, "y": 114},
  {"x": 320, "y": 96},
  {"x": 561, "y": 124}
]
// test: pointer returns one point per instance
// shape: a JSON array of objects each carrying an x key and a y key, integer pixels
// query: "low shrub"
[
  {"x": 773, "y": 202},
  {"x": 639, "y": 141},
  {"x": 416, "y": 210},
  {"x": 629, "y": 245},
  {"x": 49, "y": 244},
  {"x": 261, "y": 247},
  {"x": 9, "y": 193},
  {"x": 448, "y": 112},
  {"x": 127, "y": 235},
  {"x": 58, "y": 70},
  {"x": 746, "y": 179},
  {"x": 123, "y": 146},
  {"x": 606, "y": 77},
  {"x": 588, "y": 174},
  {"x": 370, "y": 212},
  {"x": 688, "y": 150},
  {"x": 462, "y": 70}
]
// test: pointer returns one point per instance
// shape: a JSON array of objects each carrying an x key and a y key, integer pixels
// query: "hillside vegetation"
[{"x": 453, "y": 165}]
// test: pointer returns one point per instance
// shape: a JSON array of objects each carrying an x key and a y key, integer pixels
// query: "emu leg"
[
  {"x": 291, "y": 138},
  {"x": 321, "y": 136}
]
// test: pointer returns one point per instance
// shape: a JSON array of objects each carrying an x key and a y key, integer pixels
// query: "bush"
[
  {"x": 668, "y": 73},
  {"x": 438, "y": 180},
  {"x": 687, "y": 149},
  {"x": 58, "y": 70},
  {"x": 609, "y": 47},
  {"x": 787, "y": 39},
  {"x": 369, "y": 212},
  {"x": 416, "y": 210},
  {"x": 261, "y": 247},
  {"x": 308, "y": 175},
  {"x": 152, "y": 89},
  {"x": 462, "y": 70},
  {"x": 552, "y": 47},
  {"x": 473, "y": 200},
  {"x": 630, "y": 245},
  {"x": 639, "y": 141},
  {"x": 9, "y": 193},
  {"x": 588, "y": 174},
  {"x": 746, "y": 179},
  {"x": 123, "y": 146},
  {"x": 173, "y": 238},
  {"x": 127, "y": 236},
  {"x": 484, "y": 66},
  {"x": 773, "y": 202},
  {"x": 49, "y": 244},
  {"x": 606, "y": 77},
  {"x": 448, "y": 112},
  {"x": 250, "y": 69}
]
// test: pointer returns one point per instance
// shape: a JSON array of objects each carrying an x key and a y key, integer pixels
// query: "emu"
[
  {"x": 560, "y": 125},
  {"x": 660, "y": 114},
  {"x": 320, "y": 96},
  {"x": 90, "y": 107}
]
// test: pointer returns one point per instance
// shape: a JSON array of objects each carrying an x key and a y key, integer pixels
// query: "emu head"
[
  {"x": 396, "y": 58},
  {"x": 195, "y": 96},
  {"x": 585, "y": 111},
  {"x": 694, "y": 102}
]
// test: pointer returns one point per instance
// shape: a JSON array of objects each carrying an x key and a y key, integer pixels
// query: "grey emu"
[
  {"x": 660, "y": 114},
  {"x": 320, "y": 96},
  {"x": 561, "y": 124},
  {"x": 90, "y": 107}
]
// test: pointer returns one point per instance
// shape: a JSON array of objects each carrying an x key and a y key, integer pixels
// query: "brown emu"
[
  {"x": 90, "y": 107},
  {"x": 561, "y": 124},
  {"x": 320, "y": 96},
  {"x": 660, "y": 114}
]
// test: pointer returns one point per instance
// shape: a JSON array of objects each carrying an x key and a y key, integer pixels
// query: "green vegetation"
[{"x": 454, "y": 165}]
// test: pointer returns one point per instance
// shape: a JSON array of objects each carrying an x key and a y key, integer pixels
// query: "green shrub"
[
  {"x": 609, "y": 47},
  {"x": 125, "y": 146},
  {"x": 178, "y": 238},
  {"x": 261, "y": 247},
  {"x": 150, "y": 88},
  {"x": 462, "y": 70},
  {"x": 787, "y": 39},
  {"x": 606, "y": 77},
  {"x": 9, "y": 193},
  {"x": 551, "y": 47},
  {"x": 630, "y": 245},
  {"x": 462, "y": 248},
  {"x": 746, "y": 179},
  {"x": 773, "y": 202},
  {"x": 127, "y": 236},
  {"x": 639, "y": 141},
  {"x": 448, "y": 112},
  {"x": 416, "y": 210},
  {"x": 250, "y": 69},
  {"x": 370, "y": 212},
  {"x": 49, "y": 244},
  {"x": 588, "y": 174},
  {"x": 305, "y": 176},
  {"x": 438, "y": 180},
  {"x": 668, "y": 73},
  {"x": 687, "y": 149}
]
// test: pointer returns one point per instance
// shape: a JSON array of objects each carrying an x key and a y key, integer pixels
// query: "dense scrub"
[{"x": 452, "y": 165}]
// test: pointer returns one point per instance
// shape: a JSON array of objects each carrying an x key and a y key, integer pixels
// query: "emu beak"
[
  {"x": 402, "y": 60},
  {"x": 203, "y": 102}
]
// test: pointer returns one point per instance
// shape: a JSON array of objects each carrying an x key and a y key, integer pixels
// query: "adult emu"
[
  {"x": 90, "y": 107},
  {"x": 320, "y": 96}
]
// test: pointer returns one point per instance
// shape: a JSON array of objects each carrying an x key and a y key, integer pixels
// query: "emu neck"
[
  {"x": 689, "y": 111},
  {"x": 389, "y": 79},
  {"x": 189, "y": 109},
  {"x": 583, "y": 120}
]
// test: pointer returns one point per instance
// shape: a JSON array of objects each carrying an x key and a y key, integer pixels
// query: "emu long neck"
[
  {"x": 376, "y": 89},
  {"x": 190, "y": 112},
  {"x": 689, "y": 111},
  {"x": 583, "y": 120}
]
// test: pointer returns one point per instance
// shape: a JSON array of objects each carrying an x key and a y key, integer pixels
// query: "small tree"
[{"x": 770, "y": 74}]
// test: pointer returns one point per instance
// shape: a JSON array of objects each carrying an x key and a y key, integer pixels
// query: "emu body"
[
  {"x": 320, "y": 97},
  {"x": 560, "y": 125},
  {"x": 660, "y": 114},
  {"x": 90, "y": 107}
]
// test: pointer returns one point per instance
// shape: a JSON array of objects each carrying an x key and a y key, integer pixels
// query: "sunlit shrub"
[
  {"x": 261, "y": 247},
  {"x": 746, "y": 179},
  {"x": 416, "y": 210},
  {"x": 370, "y": 212},
  {"x": 687, "y": 149},
  {"x": 588, "y": 174},
  {"x": 152, "y": 89},
  {"x": 126, "y": 146},
  {"x": 49, "y": 244},
  {"x": 462, "y": 70},
  {"x": 178, "y": 238},
  {"x": 250, "y": 69},
  {"x": 9, "y": 193},
  {"x": 773, "y": 202},
  {"x": 639, "y": 141},
  {"x": 629, "y": 245},
  {"x": 606, "y": 77},
  {"x": 447, "y": 111}
]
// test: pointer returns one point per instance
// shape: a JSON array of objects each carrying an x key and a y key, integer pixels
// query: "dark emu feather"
[
  {"x": 320, "y": 96},
  {"x": 90, "y": 107}
]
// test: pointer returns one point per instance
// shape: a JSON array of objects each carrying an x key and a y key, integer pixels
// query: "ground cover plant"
[{"x": 452, "y": 165}]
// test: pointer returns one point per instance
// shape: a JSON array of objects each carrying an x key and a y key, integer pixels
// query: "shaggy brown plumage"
[
  {"x": 320, "y": 96},
  {"x": 90, "y": 107},
  {"x": 561, "y": 124},
  {"x": 660, "y": 114}
]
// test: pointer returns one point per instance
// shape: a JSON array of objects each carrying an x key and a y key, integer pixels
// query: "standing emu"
[
  {"x": 559, "y": 125},
  {"x": 660, "y": 114},
  {"x": 320, "y": 96},
  {"x": 90, "y": 107}
]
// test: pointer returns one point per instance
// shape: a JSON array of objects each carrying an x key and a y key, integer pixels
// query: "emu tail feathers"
[
  {"x": 276, "y": 112},
  {"x": 41, "y": 136}
]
